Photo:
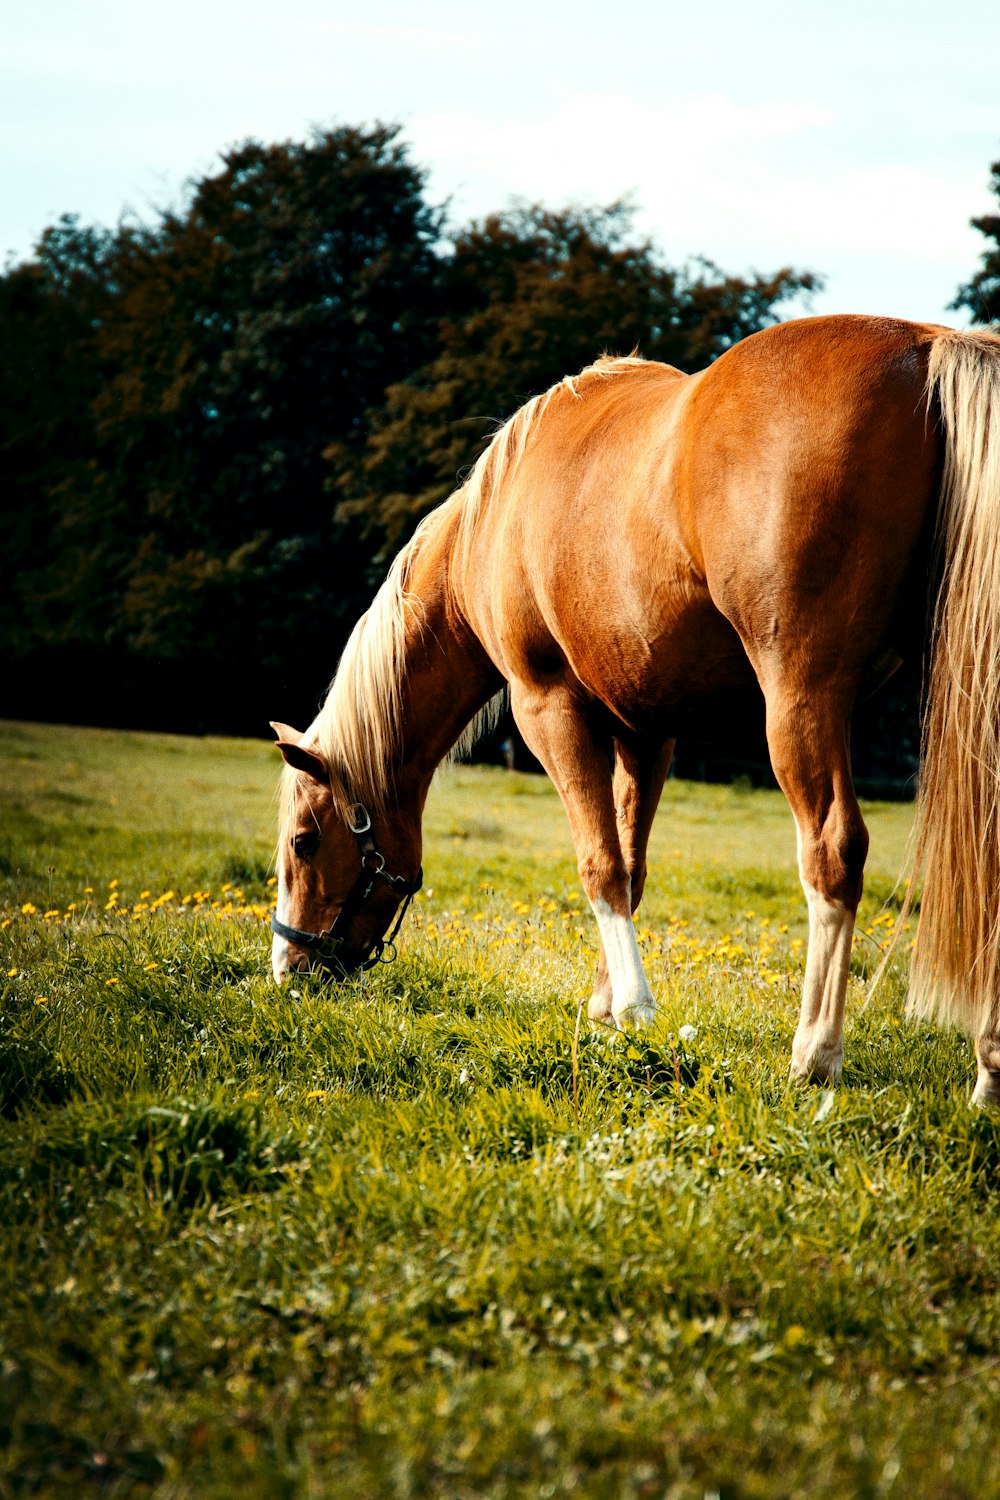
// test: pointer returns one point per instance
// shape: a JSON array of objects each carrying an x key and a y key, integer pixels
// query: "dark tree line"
[{"x": 216, "y": 428}]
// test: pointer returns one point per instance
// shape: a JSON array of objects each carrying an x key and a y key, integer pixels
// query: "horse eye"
[{"x": 306, "y": 844}]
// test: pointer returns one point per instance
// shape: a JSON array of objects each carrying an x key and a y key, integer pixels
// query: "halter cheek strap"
[{"x": 326, "y": 945}]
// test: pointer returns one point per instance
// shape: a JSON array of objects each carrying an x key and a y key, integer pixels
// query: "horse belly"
[
  {"x": 638, "y": 632},
  {"x": 664, "y": 675}
]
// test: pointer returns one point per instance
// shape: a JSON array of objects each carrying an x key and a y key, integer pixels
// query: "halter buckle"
[{"x": 359, "y": 819}]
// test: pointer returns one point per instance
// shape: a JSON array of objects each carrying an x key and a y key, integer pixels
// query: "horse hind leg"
[
  {"x": 557, "y": 729},
  {"x": 808, "y": 740},
  {"x": 638, "y": 780}
]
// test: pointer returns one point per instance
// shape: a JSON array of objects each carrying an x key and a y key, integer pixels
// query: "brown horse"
[{"x": 636, "y": 544}]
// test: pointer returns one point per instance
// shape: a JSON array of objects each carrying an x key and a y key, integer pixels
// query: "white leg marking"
[
  {"x": 632, "y": 999},
  {"x": 818, "y": 1048},
  {"x": 279, "y": 947},
  {"x": 987, "y": 1090}
]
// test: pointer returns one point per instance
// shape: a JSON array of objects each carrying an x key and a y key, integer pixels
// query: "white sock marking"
[
  {"x": 632, "y": 999},
  {"x": 818, "y": 1047}
]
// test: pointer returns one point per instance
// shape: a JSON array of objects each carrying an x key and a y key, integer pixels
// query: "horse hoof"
[
  {"x": 816, "y": 1067},
  {"x": 986, "y": 1094},
  {"x": 599, "y": 1006},
  {"x": 641, "y": 1014}
]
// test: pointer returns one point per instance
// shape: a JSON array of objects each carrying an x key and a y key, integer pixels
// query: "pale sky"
[{"x": 851, "y": 138}]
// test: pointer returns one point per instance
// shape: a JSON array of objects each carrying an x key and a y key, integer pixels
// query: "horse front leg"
[
  {"x": 636, "y": 787},
  {"x": 558, "y": 729}
]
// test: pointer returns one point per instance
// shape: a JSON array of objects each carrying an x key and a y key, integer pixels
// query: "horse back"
[{"x": 662, "y": 534}]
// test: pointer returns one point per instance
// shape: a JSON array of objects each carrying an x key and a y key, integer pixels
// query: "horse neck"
[{"x": 447, "y": 674}]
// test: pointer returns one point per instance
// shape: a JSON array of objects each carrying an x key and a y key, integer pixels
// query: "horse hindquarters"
[{"x": 811, "y": 531}]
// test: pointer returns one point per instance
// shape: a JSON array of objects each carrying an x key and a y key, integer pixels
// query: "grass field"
[{"x": 385, "y": 1239}]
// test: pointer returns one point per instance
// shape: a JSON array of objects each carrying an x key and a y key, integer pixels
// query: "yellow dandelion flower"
[
  {"x": 11, "y": 973},
  {"x": 110, "y": 982},
  {"x": 150, "y": 967},
  {"x": 42, "y": 1000},
  {"x": 112, "y": 884},
  {"x": 28, "y": 909}
]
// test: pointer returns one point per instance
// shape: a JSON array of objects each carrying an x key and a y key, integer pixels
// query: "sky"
[{"x": 852, "y": 139}]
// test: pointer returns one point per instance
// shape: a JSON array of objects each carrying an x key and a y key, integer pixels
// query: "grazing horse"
[{"x": 637, "y": 544}]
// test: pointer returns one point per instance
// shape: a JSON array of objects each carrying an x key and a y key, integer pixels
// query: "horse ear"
[
  {"x": 286, "y": 733},
  {"x": 295, "y": 753}
]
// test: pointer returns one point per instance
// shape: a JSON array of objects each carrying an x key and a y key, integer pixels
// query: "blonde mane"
[
  {"x": 497, "y": 462},
  {"x": 359, "y": 728}
]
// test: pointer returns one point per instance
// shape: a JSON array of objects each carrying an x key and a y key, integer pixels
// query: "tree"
[
  {"x": 237, "y": 337},
  {"x": 981, "y": 295}
]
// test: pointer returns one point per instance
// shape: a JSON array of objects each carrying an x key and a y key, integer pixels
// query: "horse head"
[{"x": 338, "y": 866}]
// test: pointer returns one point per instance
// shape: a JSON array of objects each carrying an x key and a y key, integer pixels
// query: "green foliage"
[
  {"x": 51, "y": 313},
  {"x": 389, "y": 1238},
  {"x": 981, "y": 295},
  {"x": 186, "y": 522}
]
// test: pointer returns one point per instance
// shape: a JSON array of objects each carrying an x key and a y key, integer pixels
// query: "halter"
[{"x": 326, "y": 945}]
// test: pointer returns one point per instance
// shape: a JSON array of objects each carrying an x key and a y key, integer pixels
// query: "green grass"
[{"x": 383, "y": 1240}]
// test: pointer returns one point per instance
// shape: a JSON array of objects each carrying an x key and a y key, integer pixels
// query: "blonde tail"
[{"x": 955, "y": 974}]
